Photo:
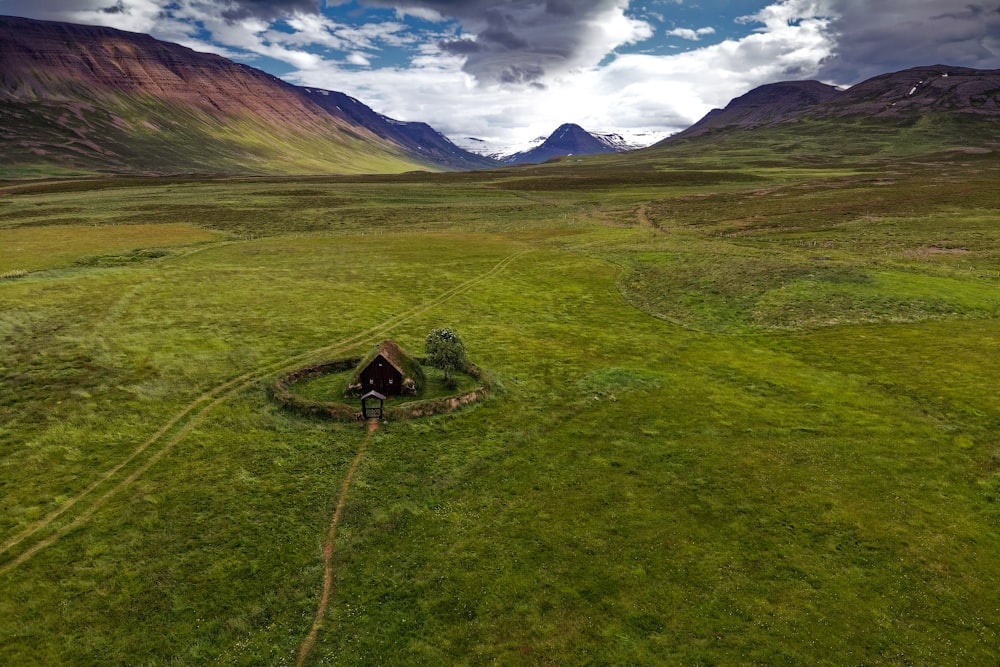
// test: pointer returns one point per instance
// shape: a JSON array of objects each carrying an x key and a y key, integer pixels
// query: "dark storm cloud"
[
  {"x": 461, "y": 47},
  {"x": 969, "y": 12},
  {"x": 890, "y": 35},
  {"x": 267, "y": 9},
  {"x": 58, "y": 9},
  {"x": 115, "y": 9},
  {"x": 64, "y": 10},
  {"x": 517, "y": 41}
]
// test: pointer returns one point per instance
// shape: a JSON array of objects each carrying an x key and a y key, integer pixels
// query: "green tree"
[{"x": 445, "y": 350}]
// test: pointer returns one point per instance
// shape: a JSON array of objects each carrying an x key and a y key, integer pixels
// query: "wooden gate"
[{"x": 372, "y": 405}]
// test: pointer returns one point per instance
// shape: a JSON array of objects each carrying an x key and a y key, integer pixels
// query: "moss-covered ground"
[{"x": 744, "y": 414}]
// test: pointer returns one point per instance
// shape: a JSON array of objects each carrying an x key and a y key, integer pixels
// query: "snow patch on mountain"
[{"x": 619, "y": 140}]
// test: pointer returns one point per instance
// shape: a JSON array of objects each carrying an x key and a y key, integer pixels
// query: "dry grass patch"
[
  {"x": 35, "y": 248},
  {"x": 934, "y": 250}
]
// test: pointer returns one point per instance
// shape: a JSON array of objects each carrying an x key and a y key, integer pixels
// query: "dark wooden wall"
[{"x": 382, "y": 377}]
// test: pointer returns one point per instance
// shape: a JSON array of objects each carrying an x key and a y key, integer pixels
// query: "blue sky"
[
  {"x": 508, "y": 71},
  {"x": 675, "y": 26}
]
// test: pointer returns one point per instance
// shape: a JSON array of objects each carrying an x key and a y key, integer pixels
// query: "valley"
[
  {"x": 744, "y": 412},
  {"x": 740, "y": 403}
]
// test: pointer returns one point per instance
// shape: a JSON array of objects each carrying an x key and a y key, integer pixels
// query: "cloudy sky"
[{"x": 507, "y": 71}]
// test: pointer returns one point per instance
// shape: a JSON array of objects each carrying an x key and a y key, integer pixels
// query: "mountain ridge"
[
  {"x": 78, "y": 99},
  {"x": 903, "y": 98},
  {"x": 921, "y": 90},
  {"x": 418, "y": 137},
  {"x": 770, "y": 103},
  {"x": 95, "y": 99}
]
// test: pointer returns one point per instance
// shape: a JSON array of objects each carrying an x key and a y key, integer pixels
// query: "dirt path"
[
  {"x": 642, "y": 215},
  {"x": 328, "y": 547},
  {"x": 47, "y": 530}
]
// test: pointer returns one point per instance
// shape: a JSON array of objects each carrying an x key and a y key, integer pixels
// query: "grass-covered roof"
[{"x": 409, "y": 368}]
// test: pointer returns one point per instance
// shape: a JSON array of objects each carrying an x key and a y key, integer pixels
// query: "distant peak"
[{"x": 569, "y": 139}]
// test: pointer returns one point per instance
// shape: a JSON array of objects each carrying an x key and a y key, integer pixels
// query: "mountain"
[
  {"x": 568, "y": 139},
  {"x": 770, "y": 103},
  {"x": 919, "y": 92},
  {"x": 923, "y": 108},
  {"x": 89, "y": 99},
  {"x": 418, "y": 138}
]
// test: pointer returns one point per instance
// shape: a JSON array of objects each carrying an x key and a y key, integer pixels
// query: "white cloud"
[
  {"x": 691, "y": 34},
  {"x": 136, "y": 16},
  {"x": 358, "y": 59},
  {"x": 368, "y": 35},
  {"x": 421, "y": 13},
  {"x": 311, "y": 30},
  {"x": 787, "y": 12}
]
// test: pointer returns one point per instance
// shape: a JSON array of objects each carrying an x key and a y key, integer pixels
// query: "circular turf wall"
[{"x": 280, "y": 390}]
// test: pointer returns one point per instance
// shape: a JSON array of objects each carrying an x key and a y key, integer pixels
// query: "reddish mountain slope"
[
  {"x": 62, "y": 62},
  {"x": 94, "y": 99}
]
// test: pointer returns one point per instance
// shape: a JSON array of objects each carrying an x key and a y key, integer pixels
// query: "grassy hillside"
[
  {"x": 80, "y": 99},
  {"x": 137, "y": 136},
  {"x": 811, "y": 141},
  {"x": 745, "y": 414}
]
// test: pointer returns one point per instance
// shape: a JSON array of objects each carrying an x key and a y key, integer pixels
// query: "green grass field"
[{"x": 744, "y": 414}]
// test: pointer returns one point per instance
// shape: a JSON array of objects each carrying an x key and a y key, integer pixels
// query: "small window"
[
  {"x": 390, "y": 380},
  {"x": 371, "y": 380}
]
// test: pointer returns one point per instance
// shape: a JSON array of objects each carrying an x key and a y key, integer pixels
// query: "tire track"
[{"x": 159, "y": 443}]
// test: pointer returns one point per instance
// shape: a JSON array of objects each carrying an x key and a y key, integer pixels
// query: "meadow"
[{"x": 745, "y": 413}]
